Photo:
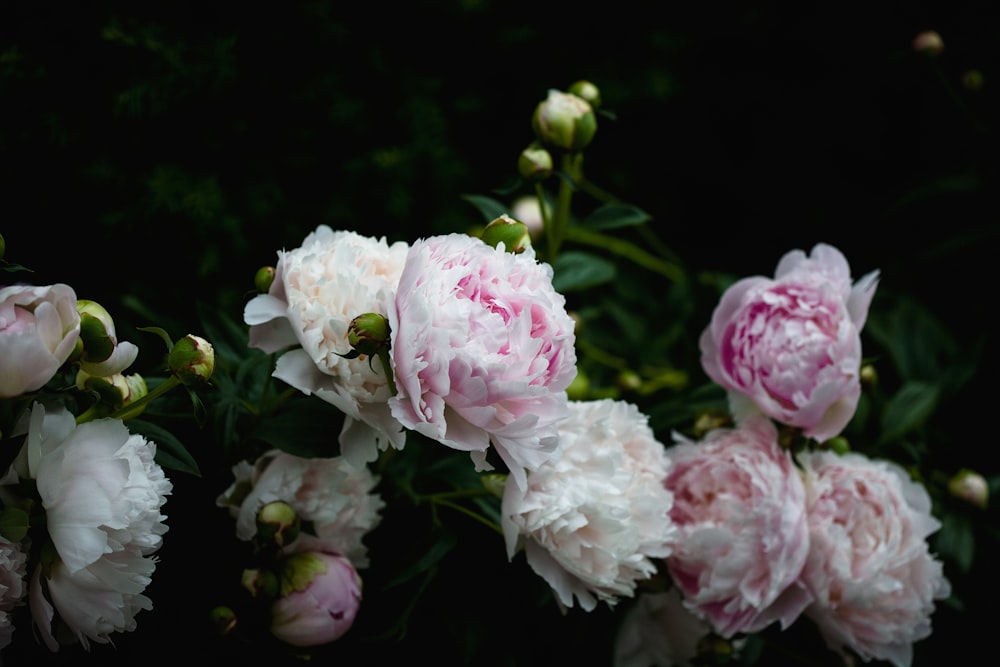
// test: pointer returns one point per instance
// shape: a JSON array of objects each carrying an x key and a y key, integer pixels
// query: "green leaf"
[
  {"x": 304, "y": 428},
  {"x": 956, "y": 541},
  {"x": 439, "y": 549},
  {"x": 577, "y": 270},
  {"x": 615, "y": 216},
  {"x": 907, "y": 410},
  {"x": 14, "y": 523},
  {"x": 170, "y": 452},
  {"x": 489, "y": 207}
]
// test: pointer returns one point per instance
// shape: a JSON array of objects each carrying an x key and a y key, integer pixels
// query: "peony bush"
[{"x": 416, "y": 434}]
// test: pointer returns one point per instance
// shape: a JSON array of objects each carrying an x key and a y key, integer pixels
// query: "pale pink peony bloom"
[
  {"x": 870, "y": 570},
  {"x": 790, "y": 346},
  {"x": 739, "y": 505},
  {"x": 594, "y": 520},
  {"x": 318, "y": 288},
  {"x": 483, "y": 351},
  {"x": 319, "y": 597},
  {"x": 659, "y": 631},
  {"x": 39, "y": 327},
  {"x": 102, "y": 493},
  {"x": 336, "y": 496},
  {"x": 13, "y": 586}
]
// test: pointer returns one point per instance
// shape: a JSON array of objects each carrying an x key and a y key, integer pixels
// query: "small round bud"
[
  {"x": 97, "y": 330},
  {"x": 278, "y": 523},
  {"x": 564, "y": 121},
  {"x": 869, "y": 376},
  {"x": 260, "y": 583},
  {"x": 513, "y": 234},
  {"x": 587, "y": 91},
  {"x": 971, "y": 487},
  {"x": 192, "y": 360},
  {"x": 629, "y": 380},
  {"x": 223, "y": 619},
  {"x": 263, "y": 278},
  {"x": 928, "y": 42},
  {"x": 838, "y": 445},
  {"x": 368, "y": 333},
  {"x": 115, "y": 391},
  {"x": 535, "y": 163}
]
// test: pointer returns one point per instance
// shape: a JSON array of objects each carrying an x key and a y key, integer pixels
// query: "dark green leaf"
[
  {"x": 955, "y": 541},
  {"x": 489, "y": 207},
  {"x": 907, "y": 410},
  {"x": 577, "y": 270},
  {"x": 170, "y": 452},
  {"x": 439, "y": 549},
  {"x": 615, "y": 216}
]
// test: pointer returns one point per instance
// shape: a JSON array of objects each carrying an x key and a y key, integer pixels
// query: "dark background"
[{"x": 165, "y": 151}]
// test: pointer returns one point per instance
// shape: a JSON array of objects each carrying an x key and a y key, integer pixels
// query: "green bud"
[
  {"x": 535, "y": 163},
  {"x": 838, "y": 444},
  {"x": 115, "y": 391},
  {"x": 587, "y": 91},
  {"x": 278, "y": 523},
  {"x": 513, "y": 234},
  {"x": 261, "y": 583},
  {"x": 192, "y": 360},
  {"x": 970, "y": 486},
  {"x": 495, "y": 483},
  {"x": 97, "y": 331},
  {"x": 223, "y": 619},
  {"x": 263, "y": 279},
  {"x": 869, "y": 376},
  {"x": 709, "y": 421},
  {"x": 368, "y": 334},
  {"x": 564, "y": 121}
]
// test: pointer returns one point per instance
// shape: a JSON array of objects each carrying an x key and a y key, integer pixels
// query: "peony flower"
[
  {"x": 319, "y": 597},
  {"x": 318, "y": 289},
  {"x": 332, "y": 494},
  {"x": 102, "y": 494},
  {"x": 739, "y": 505},
  {"x": 870, "y": 570},
  {"x": 13, "y": 586},
  {"x": 790, "y": 346},
  {"x": 39, "y": 328},
  {"x": 659, "y": 631},
  {"x": 594, "y": 520},
  {"x": 483, "y": 351}
]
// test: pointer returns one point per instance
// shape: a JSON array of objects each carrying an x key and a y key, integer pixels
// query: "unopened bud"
[
  {"x": 368, "y": 334},
  {"x": 535, "y": 163},
  {"x": 278, "y": 523},
  {"x": 512, "y": 233},
  {"x": 261, "y": 583},
  {"x": 869, "y": 376},
  {"x": 263, "y": 278},
  {"x": 971, "y": 487},
  {"x": 564, "y": 121},
  {"x": 192, "y": 360},
  {"x": 223, "y": 619},
  {"x": 528, "y": 210},
  {"x": 98, "y": 350},
  {"x": 928, "y": 42},
  {"x": 587, "y": 91},
  {"x": 115, "y": 391},
  {"x": 838, "y": 445},
  {"x": 495, "y": 483}
]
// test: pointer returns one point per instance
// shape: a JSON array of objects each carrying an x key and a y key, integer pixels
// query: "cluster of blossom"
[
  {"x": 475, "y": 350},
  {"x": 81, "y": 496}
]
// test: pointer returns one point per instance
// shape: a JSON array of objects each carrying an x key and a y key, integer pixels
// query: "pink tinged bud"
[
  {"x": 368, "y": 334},
  {"x": 192, "y": 360},
  {"x": 928, "y": 42},
  {"x": 971, "y": 487},
  {"x": 319, "y": 598},
  {"x": 535, "y": 163},
  {"x": 513, "y": 234},
  {"x": 564, "y": 121}
]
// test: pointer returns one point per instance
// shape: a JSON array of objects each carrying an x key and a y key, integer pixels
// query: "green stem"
[
  {"x": 560, "y": 217},
  {"x": 136, "y": 405},
  {"x": 628, "y": 250},
  {"x": 469, "y": 513}
]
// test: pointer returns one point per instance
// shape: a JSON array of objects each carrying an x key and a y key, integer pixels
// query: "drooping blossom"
[
  {"x": 102, "y": 494},
  {"x": 483, "y": 350},
  {"x": 332, "y": 494},
  {"x": 318, "y": 288},
  {"x": 790, "y": 346},
  {"x": 739, "y": 506},
  {"x": 319, "y": 597},
  {"x": 659, "y": 631},
  {"x": 594, "y": 520},
  {"x": 13, "y": 586},
  {"x": 870, "y": 569},
  {"x": 39, "y": 328}
]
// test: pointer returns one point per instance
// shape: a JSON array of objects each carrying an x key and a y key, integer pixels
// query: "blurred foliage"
[{"x": 155, "y": 155}]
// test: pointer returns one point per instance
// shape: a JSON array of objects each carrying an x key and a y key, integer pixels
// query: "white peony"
[
  {"x": 318, "y": 288},
  {"x": 334, "y": 495},
  {"x": 595, "y": 519},
  {"x": 102, "y": 494}
]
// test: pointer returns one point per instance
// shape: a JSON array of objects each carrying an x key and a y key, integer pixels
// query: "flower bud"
[
  {"x": 928, "y": 42},
  {"x": 318, "y": 599},
  {"x": 260, "y": 583},
  {"x": 115, "y": 391},
  {"x": 587, "y": 91},
  {"x": 223, "y": 619},
  {"x": 535, "y": 163},
  {"x": 971, "y": 487},
  {"x": 513, "y": 234},
  {"x": 869, "y": 376},
  {"x": 278, "y": 523},
  {"x": 368, "y": 334},
  {"x": 99, "y": 351},
  {"x": 564, "y": 121},
  {"x": 263, "y": 279},
  {"x": 838, "y": 445},
  {"x": 192, "y": 360}
]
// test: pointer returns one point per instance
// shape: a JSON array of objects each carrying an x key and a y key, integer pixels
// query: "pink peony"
[
  {"x": 13, "y": 586},
  {"x": 595, "y": 519},
  {"x": 318, "y": 288},
  {"x": 790, "y": 346},
  {"x": 319, "y": 597},
  {"x": 739, "y": 505},
  {"x": 869, "y": 569},
  {"x": 39, "y": 328},
  {"x": 483, "y": 351}
]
